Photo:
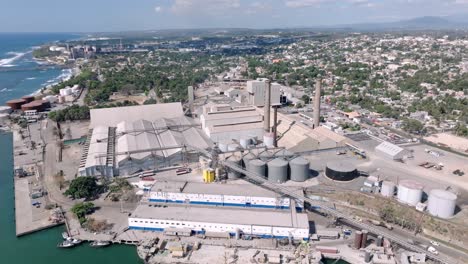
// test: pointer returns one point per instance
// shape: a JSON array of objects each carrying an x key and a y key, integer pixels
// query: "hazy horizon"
[{"x": 119, "y": 15}]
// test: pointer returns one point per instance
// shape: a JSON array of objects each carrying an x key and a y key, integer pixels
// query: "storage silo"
[
  {"x": 388, "y": 189},
  {"x": 246, "y": 158},
  {"x": 266, "y": 155},
  {"x": 245, "y": 142},
  {"x": 357, "y": 239},
  {"x": 341, "y": 171},
  {"x": 232, "y": 174},
  {"x": 269, "y": 139},
  {"x": 441, "y": 203},
  {"x": 278, "y": 170},
  {"x": 364, "y": 238},
  {"x": 410, "y": 192},
  {"x": 257, "y": 166},
  {"x": 299, "y": 169}
]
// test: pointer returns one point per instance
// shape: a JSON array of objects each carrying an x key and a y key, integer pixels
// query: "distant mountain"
[{"x": 419, "y": 23}]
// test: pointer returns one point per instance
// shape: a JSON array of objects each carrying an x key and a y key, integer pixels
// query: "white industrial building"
[
  {"x": 223, "y": 122},
  {"x": 126, "y": 140},
  {"x": 392, "y": 151},
  {"x": 234, "y": 195},
  {"x": 256, "y": 90},
  {"x": 258, "y": 223}
]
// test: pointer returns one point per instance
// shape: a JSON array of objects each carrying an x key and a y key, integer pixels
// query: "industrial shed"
[
  {"x": 391, "y": 151},
  {"x": 136, "y": 144},
  {"x": 263, "y": 223},
  {"x": 223, "y": 122}
]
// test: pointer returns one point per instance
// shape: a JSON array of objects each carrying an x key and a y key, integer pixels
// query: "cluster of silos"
[
  {"x": 232, "y": 174},
  {"x": 276, "y": 168},
  {"x": 410, "y": 192},
  {"x": 360, "y": 239},
  {"x": 441, "y": 203}
]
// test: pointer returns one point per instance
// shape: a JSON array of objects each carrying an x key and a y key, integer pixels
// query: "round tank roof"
[
  {"x": 299, "y": 161},
  {"x": 443, "y": 194},
  {"x": 256, "y": 162},
  {"x": 278, "y": 162},
  {"x": 341, "y": 166},
  {"x": 410, "y": 184}
]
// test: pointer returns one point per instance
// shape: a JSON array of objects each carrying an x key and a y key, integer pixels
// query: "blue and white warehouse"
[
  {"x": 234, "y": 195},
  {"x": 256, "y": 223}
]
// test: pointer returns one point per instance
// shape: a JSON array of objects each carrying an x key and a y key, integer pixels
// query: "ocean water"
[{"x": 20, "y": 74}]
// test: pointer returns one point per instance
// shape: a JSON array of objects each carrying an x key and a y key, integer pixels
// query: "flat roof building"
[{"x": 391, "y": 151}]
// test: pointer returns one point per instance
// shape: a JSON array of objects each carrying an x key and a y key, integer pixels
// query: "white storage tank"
[
  {"x": 410, "y": 192},
  {"x": 233, "y": 147},
  {"x": 66, "y": 91},
  {"x": 51, "y": 99},
  {"x": 388, "y": 189},
  {"x": 441, "y": 203}
]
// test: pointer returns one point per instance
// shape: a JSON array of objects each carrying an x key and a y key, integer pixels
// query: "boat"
[
  {"x": 100, "y": 244},
  {"x": 74, "y": 241},
  {"x": 66, "y": 244},
  {"x": 65, "y": 235}
]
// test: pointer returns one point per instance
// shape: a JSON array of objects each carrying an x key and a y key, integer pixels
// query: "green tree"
[
  {"x": 81, "y": 210},
  {"x": 83, "y": 187}
]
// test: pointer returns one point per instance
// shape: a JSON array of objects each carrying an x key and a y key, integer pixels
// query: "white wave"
[
  {"x": 16, "y": 55},
  {"x": 5, "y": 90},
  {"x": 31, "y": 78}
]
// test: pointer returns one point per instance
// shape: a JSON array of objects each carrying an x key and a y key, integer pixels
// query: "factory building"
[
  {"x": 228, "y": 195},
  {"x": 223, "y": 122},
  {"x": 391, "y": 151},
  {"x": 257, "y": 90},
  {"x": 258, "y": 223},
  {"x": 126, "y": 140}
]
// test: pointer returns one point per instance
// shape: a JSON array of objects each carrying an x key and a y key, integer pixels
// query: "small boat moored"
[
  {"x": 66, "y": 244},
  {"x": 74, "y": 241},
  {"x": 98, "y": 244},
  {"x": 65, "y": 235}
]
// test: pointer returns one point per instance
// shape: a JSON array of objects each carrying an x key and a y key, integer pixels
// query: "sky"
[{"x": 122, "y": 15}]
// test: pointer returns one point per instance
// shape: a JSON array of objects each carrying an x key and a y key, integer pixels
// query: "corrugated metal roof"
[
  {"x": 97, "y": 147},
  {"x": 389, "y": 148},
  {"x": 112, "y": 116}
]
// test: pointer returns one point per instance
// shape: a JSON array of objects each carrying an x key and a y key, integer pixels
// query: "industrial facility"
[{"x": 127, "y": 140}]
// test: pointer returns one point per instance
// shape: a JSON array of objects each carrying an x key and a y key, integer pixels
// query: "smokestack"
[
  {"x": 318, "y": 87},
  {"x": 266, "y": 107},
  {"x": 275, "y": 126}
]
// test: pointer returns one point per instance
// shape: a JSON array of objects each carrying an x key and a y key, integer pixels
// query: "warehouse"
[
  {"x": 223, "y": 122},
  {"x": 237, "y": 195},
  {"x": 391, "y": 151},
  {"x": 264, "y": 224},
  {"x": 125, "y": 143}
]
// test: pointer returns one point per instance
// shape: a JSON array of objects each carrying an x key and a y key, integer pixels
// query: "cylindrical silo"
[
  {"x": 441, "y": 203},
  {"x": 245, "y": 142},
  {"x": 232, "y": 174},
  {"x": 364, "y": 238},
  {"x": 388, "y": 189},
  {"x": 410, "y": 192},
  {"x": 257, "y": 166},
  {"x": 357, "y": 239},
  {"x": 299, "y": 169},
  {"x": 246, "y": 158},
  {"x": 367, "y": 256},
  {"x": 278, "y": 170}
]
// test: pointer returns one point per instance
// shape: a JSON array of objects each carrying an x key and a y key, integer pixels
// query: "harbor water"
[{"x": 40, "y": 247}]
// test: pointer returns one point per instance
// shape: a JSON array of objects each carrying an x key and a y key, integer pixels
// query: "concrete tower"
[
  {"x": 318, "y": 87},
  {"x": 266, "y": 107}
]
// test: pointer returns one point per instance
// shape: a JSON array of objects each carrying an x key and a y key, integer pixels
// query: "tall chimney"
[
  {"x": 266, "y": 107},
  {"x": 318, "y": 87}
]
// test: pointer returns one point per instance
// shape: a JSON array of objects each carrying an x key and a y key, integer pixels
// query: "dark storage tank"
[{"x": 341, "y": 171}]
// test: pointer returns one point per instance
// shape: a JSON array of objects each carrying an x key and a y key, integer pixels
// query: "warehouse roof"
[
  {"x": 223, "y": 215},
  {"x": 389, "y": 148},
  {"x": 218, "y": 189},
  {"x": 98, "y": 147},
  {"x": 112, "y": 116}
]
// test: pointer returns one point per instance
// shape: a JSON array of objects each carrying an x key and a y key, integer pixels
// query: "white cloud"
[
  {"x": 158, "y": 9},
  {"x": 303, "y": 3}
]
